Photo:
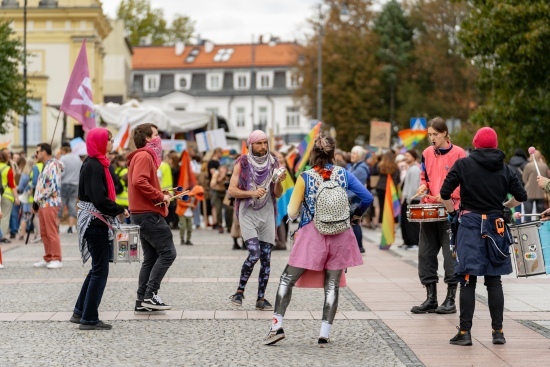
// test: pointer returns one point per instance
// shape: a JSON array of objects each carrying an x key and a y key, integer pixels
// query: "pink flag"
[{"x": 78, "y": 101}]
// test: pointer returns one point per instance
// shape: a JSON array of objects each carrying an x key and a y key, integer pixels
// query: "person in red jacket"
[
  {"x": 144, "y": 193},
  {"x": 437, "y": 161}
]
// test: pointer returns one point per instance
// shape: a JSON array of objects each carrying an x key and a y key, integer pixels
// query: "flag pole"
[{"x": 55, "y": 128}]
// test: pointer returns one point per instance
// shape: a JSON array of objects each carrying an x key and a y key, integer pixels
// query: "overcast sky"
[{"x": 235, "y": 21}]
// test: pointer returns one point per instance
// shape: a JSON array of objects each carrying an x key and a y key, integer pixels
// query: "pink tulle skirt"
[{"x": 315, "y": 251}]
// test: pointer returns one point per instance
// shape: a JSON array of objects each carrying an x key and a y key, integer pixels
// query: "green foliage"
[
  {"x": 510, "y": 42},
  {"x": 142, "y": 21},
  {"x": 13, "y": 101}
]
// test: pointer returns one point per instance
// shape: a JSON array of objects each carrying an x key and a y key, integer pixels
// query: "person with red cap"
[
  {"x": 255, "y": 189},
  {"x": 483, "y": 238},
  {"x": 437, "y": 160}
]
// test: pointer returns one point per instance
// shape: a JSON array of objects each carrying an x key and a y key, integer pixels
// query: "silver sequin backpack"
[{"x": 332, "y": 210}]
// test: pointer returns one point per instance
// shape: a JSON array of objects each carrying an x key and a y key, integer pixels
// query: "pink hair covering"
[
  {"x": 256, "y": 136},
  {"x": 96, "y": 145}
]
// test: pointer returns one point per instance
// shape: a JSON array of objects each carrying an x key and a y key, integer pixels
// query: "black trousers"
[
  {"x": 468, "y": 302},
  {"x": 434, "y": 236}
]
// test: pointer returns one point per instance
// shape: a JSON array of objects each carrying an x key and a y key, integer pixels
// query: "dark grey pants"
[
  {"x": 433, "y": 237},
  {"x": 159, "y": 252}
]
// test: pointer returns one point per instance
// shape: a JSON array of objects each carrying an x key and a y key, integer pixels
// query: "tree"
[
  {"x": 351, "y": 74},
  {"x": 144, "y": 22},
  {"x": 394, "y": 52},
  {"x": 13, "y": 100},
  {"x": 510, "y": 43}
]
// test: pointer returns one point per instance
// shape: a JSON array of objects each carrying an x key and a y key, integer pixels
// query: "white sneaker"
[
  {"x": 1, "y": 266},
  {"x": 55, "y": 264},
  {"x": 41, "y": 264}
]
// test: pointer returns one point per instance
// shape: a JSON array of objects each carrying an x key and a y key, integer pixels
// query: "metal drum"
[
  {"x": 544, "y": 236},
  {"x": 527, "y": 249},
  {"x": 426, "y": 213},
  {"x": 127, "y": 246}
]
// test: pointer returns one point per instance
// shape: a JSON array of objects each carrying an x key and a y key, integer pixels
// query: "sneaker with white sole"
[
  {"x": 54, "y": 264},
  {"x": 140, "y": 310},
  {"x": 41, "y": 264},
  {"x": 1, "y": 266},
  {"x": 263, "y": 305},
  {"x": 274, "y": 336},
  {"x": 155, "y": 303}
]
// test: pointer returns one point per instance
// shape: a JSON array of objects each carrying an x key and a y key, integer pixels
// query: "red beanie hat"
[{"x": 485, "y": 138}]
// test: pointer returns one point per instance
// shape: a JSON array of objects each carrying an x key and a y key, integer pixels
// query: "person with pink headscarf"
[
  {"x": 95, "y": 219},
  {"x": 255, "y": 189}
]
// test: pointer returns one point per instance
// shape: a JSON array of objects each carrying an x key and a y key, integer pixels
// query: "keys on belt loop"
[{"x": 499, "y": 224}]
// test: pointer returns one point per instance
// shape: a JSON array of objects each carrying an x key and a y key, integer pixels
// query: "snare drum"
[
  {"x": 426, "y": 213},
  {"x": 527, "y": 249},
  {"x": 127, "y": 246}
]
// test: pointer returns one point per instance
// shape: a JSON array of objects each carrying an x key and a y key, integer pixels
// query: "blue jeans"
[
  {"x": 159, "y": 252},
  {"x": 91, "y": 293},
  {"x": 14, "y": 219},
  {"x": 358, "y": 234}
]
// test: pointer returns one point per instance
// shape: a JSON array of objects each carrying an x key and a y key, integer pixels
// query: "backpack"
[{"x": 332, "y": 210}]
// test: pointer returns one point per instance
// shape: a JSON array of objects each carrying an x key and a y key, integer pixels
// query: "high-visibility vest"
[
  {"x": 122, "y": 198},
  {"x": 40, "y": 167},
  {"x": 166, "y": 181},
  {"x": 8, "y": 194}
]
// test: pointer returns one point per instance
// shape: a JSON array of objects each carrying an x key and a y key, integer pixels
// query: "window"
[
  {"x": 151, "y": 83},
  {"x": 214, "y": 81},
  {"x": 223, "y": 54},
  {"x": 264, "y": 80},
  {"x": 241, "y": 81},
  {"x": 182, "y": 82},
  {"x": 262, "y": 117},
  {"x": 293, "y": 79},
  {"x": 34, "y": 123},
  {"x": 240, "y": 117},
  {"x": 292, "y": 116}
]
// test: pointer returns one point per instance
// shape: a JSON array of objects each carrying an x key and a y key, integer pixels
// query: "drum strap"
[{"x": 100, "y": 217}]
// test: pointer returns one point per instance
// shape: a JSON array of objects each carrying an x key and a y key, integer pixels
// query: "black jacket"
[
  {"x": 92, "y": 187},
  {"x": 484, "y": 181}
]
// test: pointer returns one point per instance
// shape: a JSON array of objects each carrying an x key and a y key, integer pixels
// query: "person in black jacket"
[
  {"x": 96, "y": 216},
  {"x": 483, "y": 239}
]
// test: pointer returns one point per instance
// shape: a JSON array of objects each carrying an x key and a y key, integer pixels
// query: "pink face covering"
[{"x": 156, "y": 146}]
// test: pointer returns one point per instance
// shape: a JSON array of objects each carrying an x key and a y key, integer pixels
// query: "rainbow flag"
[
  {"x": 282, "y": 202},
  {"x": 392, "y": 208},
  {"x": 305, "y": 148},
  {"x": 410, "y": 137}
]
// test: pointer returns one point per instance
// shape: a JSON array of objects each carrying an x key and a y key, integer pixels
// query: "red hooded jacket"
[{"x": 143, "y": 184}]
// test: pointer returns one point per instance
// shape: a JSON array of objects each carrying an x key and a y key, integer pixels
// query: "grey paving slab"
[{"x": 192, "y": 343}]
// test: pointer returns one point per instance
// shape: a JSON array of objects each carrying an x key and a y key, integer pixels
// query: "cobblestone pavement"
[{"x": 203, "y": 329}]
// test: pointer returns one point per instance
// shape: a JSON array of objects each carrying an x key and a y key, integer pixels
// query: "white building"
[{"x": 248, "y": 86}]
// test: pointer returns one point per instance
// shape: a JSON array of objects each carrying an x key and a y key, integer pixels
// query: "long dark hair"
[{"x": 323, "y": 151}]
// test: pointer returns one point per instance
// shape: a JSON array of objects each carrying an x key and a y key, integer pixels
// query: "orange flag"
[
  {"x": 187, "y": 178},
  {"x": 244, "y": 148}
]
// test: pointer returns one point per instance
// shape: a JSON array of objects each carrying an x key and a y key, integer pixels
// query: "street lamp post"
[{"x": 25, "y": 74}]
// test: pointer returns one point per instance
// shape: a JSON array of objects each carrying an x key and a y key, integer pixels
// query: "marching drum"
[
  {"x": 426, "y": 213},
  {"x": 527, "y": 249},
  {"x": 127, "y": 246}
]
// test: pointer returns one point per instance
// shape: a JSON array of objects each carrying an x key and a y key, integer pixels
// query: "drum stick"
[
  {"x": 532, "y": 151},
  {"x": 177, "y": 188},
  {"x": 518, "y": 215},
  {"x": 173, "y": 197}
]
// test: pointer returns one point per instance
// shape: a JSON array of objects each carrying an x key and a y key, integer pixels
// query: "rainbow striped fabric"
[
  {"x": 392, "y": 208},
  {"x": 305, "y": 148},
  {"x": 282, "y": 202},
  {"x": 410, "y": 137}
]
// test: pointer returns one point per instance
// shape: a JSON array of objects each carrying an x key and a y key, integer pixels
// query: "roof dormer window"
[
  {"x": 241, "y": 80},
  {"x": 151, "y": 83},
  {"x": 223, "y": 54},
  {"x": 264, "y": 80},
  {"x": 182, "y": 82}
]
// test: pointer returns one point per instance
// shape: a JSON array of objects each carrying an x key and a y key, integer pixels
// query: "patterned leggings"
[{"x": 257, "y": 250}]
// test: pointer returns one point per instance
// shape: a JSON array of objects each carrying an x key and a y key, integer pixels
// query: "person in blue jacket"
[{"x": 483, "y": 238}]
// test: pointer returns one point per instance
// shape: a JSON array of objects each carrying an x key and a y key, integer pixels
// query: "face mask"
[{"x": 156, "y": 145}]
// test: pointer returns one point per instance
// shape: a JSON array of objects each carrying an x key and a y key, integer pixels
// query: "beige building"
[
  {"x": 117, "y": 64},
  {"x": 55, "y": 31}
]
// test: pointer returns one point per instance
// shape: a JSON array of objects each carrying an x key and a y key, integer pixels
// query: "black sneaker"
[
  {"x": 140, "y": 310},
  {"x": 498, "y": 337},
  {"x": 182, "y": 242},
  {"x": 274, "y": 336},
  {"x": 70, "y": 230},
  {"x": 362, "y": 250},
  {"x": 75, "y": 318},
  {"x": 463, "y": 337},
  {"x": 237, "y": 299},
  {"x": 322, "y": 341},
  {"x": 189, "y": 243},
  {"x": 155, "y": 303},
  {"x": 263, "y": 305},
  {"x": 99, "y": 326}
]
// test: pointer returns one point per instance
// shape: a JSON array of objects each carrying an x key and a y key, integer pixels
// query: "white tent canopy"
[{"x": 135, "y": 114}]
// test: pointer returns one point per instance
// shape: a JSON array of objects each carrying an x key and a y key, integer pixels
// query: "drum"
[
  {"x": 544, "y": 236},
  {"x": 426, "y": 213},
  {"x": 527, "y": 249},
  {"x": 127, "y": 246}
]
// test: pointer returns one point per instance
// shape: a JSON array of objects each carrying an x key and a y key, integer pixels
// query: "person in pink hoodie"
[{"x": 437, "y": 161}]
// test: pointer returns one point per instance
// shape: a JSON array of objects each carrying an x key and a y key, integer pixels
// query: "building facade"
[
  {"x": 55, "y": 32},
  {"x": 117, "y": 64},
  {"x": 249, "y": 86}
]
